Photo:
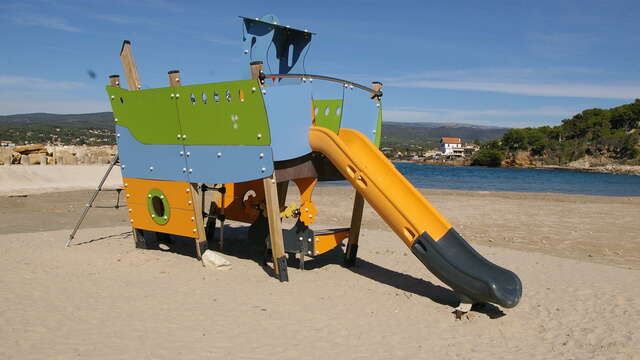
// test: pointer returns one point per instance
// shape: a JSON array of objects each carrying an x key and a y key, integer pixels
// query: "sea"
[{"x": 516, "y": 180}]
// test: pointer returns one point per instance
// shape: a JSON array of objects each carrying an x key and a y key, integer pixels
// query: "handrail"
[{"x": 376, "y": 93}]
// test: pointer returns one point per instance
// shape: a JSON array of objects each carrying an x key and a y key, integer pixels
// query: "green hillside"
[{"x": 605, "y": 134}]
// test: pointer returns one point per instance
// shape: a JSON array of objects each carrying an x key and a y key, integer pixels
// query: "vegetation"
[
  {"x": 84, "y": 129},
  {"x": 612, "y": 134},
  {"x": 487, "y": 157}
]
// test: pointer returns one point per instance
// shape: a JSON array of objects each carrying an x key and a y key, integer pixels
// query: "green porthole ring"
[{"x": 158, "y": 207}]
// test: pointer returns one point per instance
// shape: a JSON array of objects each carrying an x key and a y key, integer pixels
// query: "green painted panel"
[
  {"x": 328, "y": 114},
  {"x": 150, "y": 115},
  {"x": 158, "y": 207},
  {"x": 225, "y": 113},
  {"x": 379, "y": 127}
]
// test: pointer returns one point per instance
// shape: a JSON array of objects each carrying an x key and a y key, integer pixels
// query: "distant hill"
[
  {"x": 98, "y": 128},
  {"x": 405, "y": 136}
]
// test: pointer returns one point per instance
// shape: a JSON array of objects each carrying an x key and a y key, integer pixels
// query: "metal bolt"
[
  {"x": 374, "y": 131},
  {"x": 118, "y": 135},
  {"x": 153, "y": 215},
  {"x": 194, "y": 230},
  {"x": 184, "y": 169},
  {"x": 261, "y": 155},
  {"x": 126, "y": 184},
  {"x": 188, "y": 153},
  {"x": 150, "y": 168},
  {"x": 264, "y": 92},
  {"x": 161, "y": 196},
  {"x": 181, "y": 153},
  {"x": 253, "y": 89},
  {"x": 310, "y": 215},
  {"x": 130, "y": 210},
  {"x": 184, "y": 136},
  {"x": 263, "y": 169},
  {"x": 346, "y": 85},
  {"x": 172, "y": 96},
  {"x": 112, "y": 97},
  {"x": 131, "y": 220},
  {"x": 219, "y": 154},
  {"x": 377, "y": 104},
  {"x": 179, "y": 136},
  {"x": 177, "y": 95},
  {"x": 309, "y": 252},
  {"x": 165, "y": 217},
  {"x": 193, "y": 218},
  {"x": 300, "y": 238},
  {"x": 128, "y": 195},
  {"x": 123, "y": 166},
  {"x": 309, "y": 239},
  {"x": 259, "y": 136},
  {"x": 190, "y": 171},
  {"x": 189, "y": 202},
  {"x": 188, "y": 190},
  {"x": 246, "y": 51},
  {"x": 116, "y": 119}
]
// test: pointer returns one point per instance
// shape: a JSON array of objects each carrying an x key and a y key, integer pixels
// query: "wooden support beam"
[
  {"x": 174, "y": 78},
  {"x": 129, "y": 64},
  {"x": 354, "y": 233},
  {"x": 201, "y": 239},
  {"x": 256, "y": 69},
  {"x": 282, "y": 194},
  {"x": 114, "y": 80},
  {"x": 275, "y": 228}
]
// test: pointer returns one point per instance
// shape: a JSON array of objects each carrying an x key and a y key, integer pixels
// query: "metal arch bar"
[{"x": 323, "y": 77}]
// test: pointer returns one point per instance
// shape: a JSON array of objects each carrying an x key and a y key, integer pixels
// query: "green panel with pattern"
[
  {"x": 150, "y": 115},
  {"x": 378, "y": 127},
  {"x": 328, "y": 114},
  {"x": 226, "y": 113}
]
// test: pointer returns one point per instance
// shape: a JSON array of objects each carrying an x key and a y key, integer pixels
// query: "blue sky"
[{"x": 506, "y": 63}]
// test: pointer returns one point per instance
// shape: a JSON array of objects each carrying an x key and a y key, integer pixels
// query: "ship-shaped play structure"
[{"x": 244, "y": 141}]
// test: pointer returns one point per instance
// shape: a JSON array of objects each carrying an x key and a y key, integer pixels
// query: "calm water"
[{"x": 520, "y": 180}]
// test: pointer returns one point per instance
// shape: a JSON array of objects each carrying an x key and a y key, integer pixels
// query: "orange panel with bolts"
[
  {"x": 163, "y": 206},
  {"x": 241, "y": 200},
  {"x": 179, "y": 222},
  {"x": 178, "y": 193},
  {"x": 326, "y": 242}
]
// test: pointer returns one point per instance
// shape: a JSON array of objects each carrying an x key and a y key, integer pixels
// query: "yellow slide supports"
[{"x": 393, "y": 197}]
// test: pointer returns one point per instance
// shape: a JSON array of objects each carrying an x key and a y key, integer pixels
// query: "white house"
[{"x": 451, "y": 146}]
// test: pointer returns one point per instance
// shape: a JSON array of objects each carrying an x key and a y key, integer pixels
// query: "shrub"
[{"x": 487, "y": 157}]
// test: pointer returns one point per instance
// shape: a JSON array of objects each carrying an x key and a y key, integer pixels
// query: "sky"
[{"x": 501, "y": 63}]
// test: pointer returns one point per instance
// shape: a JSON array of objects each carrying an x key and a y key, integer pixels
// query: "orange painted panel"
[
  {"x": 181, "y": 222},
  {"x": 326, "y": 242},
  {"x": 178, "y": 193}
]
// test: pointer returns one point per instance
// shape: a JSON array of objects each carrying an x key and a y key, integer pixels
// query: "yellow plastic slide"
[{"x": 422, "y": 228}]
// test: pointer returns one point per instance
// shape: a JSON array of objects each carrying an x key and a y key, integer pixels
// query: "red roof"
[{"x": 448, "y": 140}]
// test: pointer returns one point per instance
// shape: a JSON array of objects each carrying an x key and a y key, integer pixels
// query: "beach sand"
[{"x": 578, "y": 257}]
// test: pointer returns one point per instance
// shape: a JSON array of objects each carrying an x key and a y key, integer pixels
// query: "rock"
[
  {"x": 214, "y": 260},
  {"x": 29, "y": 149},
  {"x": 37, "y": 158},
  {"x": 6, "y": 154},
  {"x": 24, "y": 160}
]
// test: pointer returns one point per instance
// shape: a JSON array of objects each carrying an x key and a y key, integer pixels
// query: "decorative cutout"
[
  {"x": 338, "y": 110},
  {"x": 241, "y": 95},
  {"x": 326, "y": 110},
  {"x": 193, "y": 99},
  {"x": 204, "y": 98},
  {"x": 121, "y": 100},
  {"x": 228, "y": 95},
  {"x": 216, "y": 97},
  {"x": 315, "y": 111}
]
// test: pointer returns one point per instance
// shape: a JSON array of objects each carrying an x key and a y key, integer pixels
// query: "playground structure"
[{"x": 246, "y": 140}]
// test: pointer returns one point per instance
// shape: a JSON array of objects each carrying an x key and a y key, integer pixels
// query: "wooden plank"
[
  {"x": 282, "y": 194},
  {"x": 354, "y": 233},
  {"x": 129, "y": 64},
  {"x": 201, "y": 240},
  {"x": 174, "y": 78},
  {"x": 275, "y": 228}
]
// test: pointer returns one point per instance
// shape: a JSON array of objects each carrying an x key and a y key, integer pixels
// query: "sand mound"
[{"x": 41, "y": 179}]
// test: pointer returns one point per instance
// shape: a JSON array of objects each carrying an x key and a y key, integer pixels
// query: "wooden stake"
[
  {"x": 275, "y": 228},
  {"x": 354, "y": 233},
  {"x": 201, "y": 240},
  {"x": 129, "y": 64},
  {"x": 174, "y": 78},
  {"x": 114, "y": 80}
]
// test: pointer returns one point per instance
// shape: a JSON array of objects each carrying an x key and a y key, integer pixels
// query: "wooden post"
[
  {"x": 201, "y": 239},
  {"x": 114, "y": 80},
  {"x": 354, "y": 234},
  {"x": 174, "y": 78},
  {"x": 275, "y": 228},
  {"x": 256, "y": 68},
  {"x": 377, "y": 86},
  {"x": 129, "y": 64}
]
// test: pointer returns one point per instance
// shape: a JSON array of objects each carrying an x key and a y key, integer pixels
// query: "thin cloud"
[
  {"x": 125, "y": 20},
  {"x": 15, "y": 106},
  {"x": 49, "y": 22},
  {"x": 34, "y": 83},
  {"x": 626, "y": 92},
  {"x": 494, "y": 117},
  {"x": 222, "y": 40}
]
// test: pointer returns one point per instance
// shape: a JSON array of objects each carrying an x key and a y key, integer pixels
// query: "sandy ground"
[{"x": 578, "y": 257}]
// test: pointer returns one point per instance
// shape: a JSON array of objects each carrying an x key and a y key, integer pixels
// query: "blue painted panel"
[
  {"x": 289, "y": 114},
  {"x": 327, "y": 90},
  {"x": 221, "y": 164},
  {"x": 158, "y": 162},
  {"x": 360, "y": 112}
]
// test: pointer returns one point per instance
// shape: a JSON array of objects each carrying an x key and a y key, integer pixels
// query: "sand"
[{"x": 103, "y": 299}]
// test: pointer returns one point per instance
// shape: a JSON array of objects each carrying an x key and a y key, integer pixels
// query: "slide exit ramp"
[{"x": 423, "y": 229}]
